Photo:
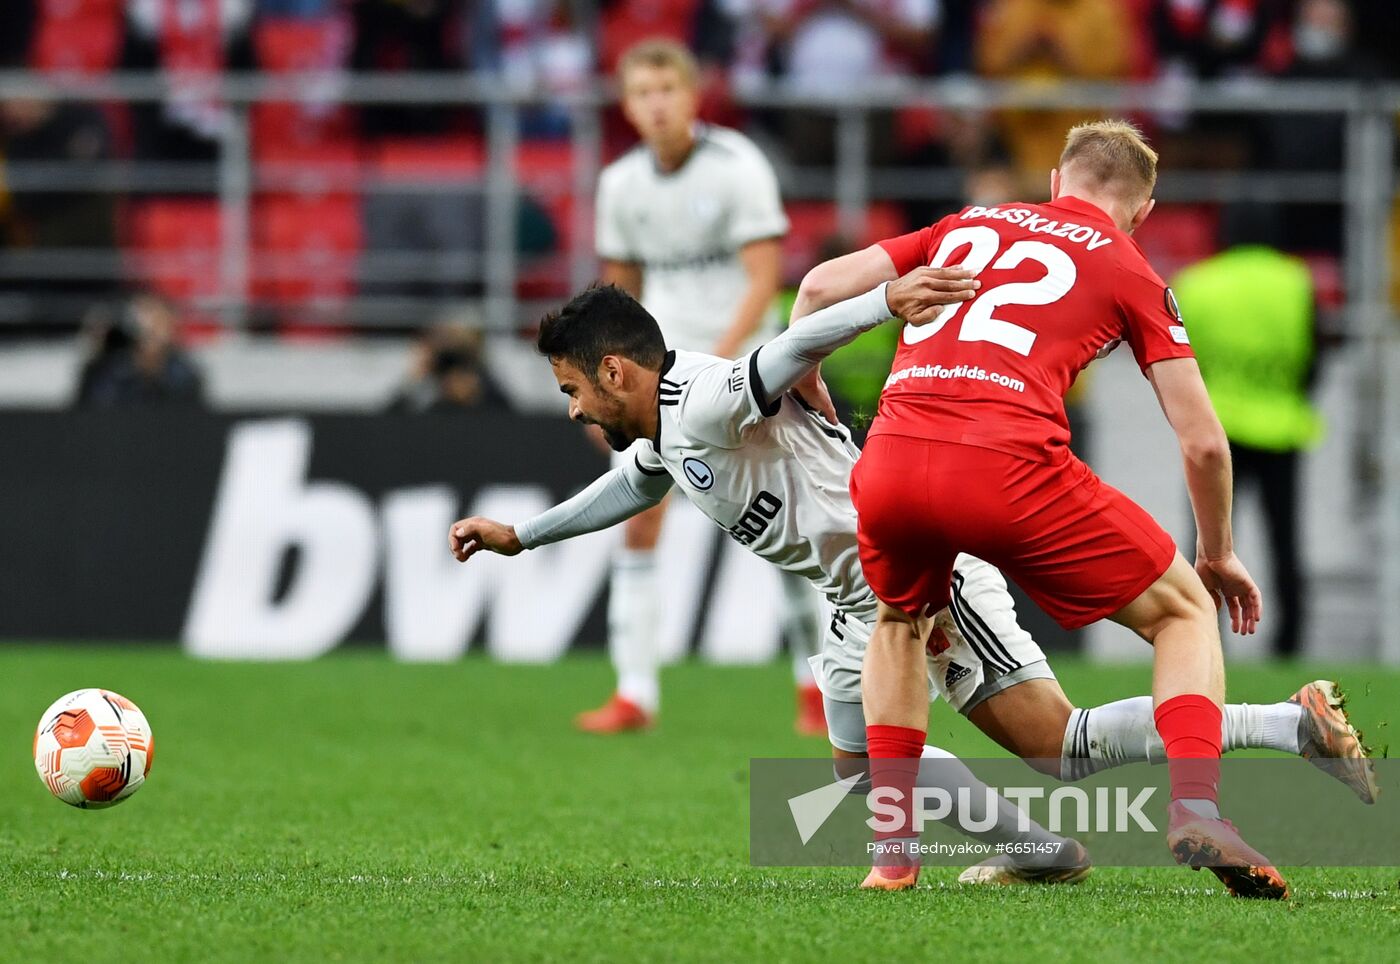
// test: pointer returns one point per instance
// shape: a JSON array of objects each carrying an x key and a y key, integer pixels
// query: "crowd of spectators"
[
  {"x": 818, "y": 46},
  {"x": 814, "y": 46}
]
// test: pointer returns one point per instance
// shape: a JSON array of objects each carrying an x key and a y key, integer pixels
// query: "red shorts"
[{"x": 1079, "y": 548}]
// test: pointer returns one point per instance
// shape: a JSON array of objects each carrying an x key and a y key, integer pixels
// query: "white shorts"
[{"x": 987, "y": 651}]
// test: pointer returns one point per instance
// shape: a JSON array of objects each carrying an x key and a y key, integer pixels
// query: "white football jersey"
[
  {"x": 686, "y": 228},
  {"x": 774, "y": 476}
]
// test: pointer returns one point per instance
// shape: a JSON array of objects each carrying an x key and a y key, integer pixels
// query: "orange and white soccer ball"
[{"x": 93, "y": 748}]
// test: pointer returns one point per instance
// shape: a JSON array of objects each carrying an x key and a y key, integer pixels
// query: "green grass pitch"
[{"x": 356, "y": 809}]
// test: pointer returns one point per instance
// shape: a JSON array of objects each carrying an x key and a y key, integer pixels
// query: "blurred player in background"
[
  {"x": 690, "y": 223},
  {"x": 969, "y": 453}
]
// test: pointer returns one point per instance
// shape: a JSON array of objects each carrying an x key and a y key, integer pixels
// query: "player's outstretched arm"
[
  {"x": 825, "y": 285},
  {"x": 1205, "y": 453},
  {"x": 618, "y": 495},
  {"x": 842, "y": 278},
  {"x": 918, "y": 298}
]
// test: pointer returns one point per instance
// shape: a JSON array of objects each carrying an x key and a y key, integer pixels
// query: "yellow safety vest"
[{"x": 1249, "y": 313}]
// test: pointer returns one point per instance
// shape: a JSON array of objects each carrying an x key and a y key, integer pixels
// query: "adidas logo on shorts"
[{"x": 956, "y": 672}]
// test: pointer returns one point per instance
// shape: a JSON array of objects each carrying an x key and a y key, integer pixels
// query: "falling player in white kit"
[
  {"x": 774, "y": 475},
  {"x": 690, "y": 223}
]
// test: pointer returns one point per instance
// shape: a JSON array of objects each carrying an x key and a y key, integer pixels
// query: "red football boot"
[
  {"x": 895, "y": 867},
  {"x": 811, "y": 718},
  {"x": 1198, "y": 842},
  {"x": 891, "y": 878},
  {"x": 617, "y": 715}
]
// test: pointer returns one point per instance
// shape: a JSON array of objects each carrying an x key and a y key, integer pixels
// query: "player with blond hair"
[
  {"x": 969, "y": 453},
  {"x": 690, "y": 223}
]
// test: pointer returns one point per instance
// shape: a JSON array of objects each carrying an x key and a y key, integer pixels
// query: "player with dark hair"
[{"x": 690, "y": 223}]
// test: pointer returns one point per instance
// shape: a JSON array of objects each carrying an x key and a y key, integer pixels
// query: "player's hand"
[
  {"x": 920, "y": 296},
  {"x": 1228, "y": 581},
  {"x": 812, "y": 390},
  {"x": 467, "y": 537}
]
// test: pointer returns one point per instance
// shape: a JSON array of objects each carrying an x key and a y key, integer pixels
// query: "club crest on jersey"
[
  {"x": 698, "y": 474},
  {"x": 1173, "y": 309},
  {"x": 1178, "y": 331}
]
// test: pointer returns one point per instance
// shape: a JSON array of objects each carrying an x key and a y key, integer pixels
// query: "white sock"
[
  {"x": 633, "y": 626},
  {"x": 985, "y": 808},
  {"x": 1108, "y": 736},
  {"x": 804, "y": 618},
  {"x": 1125, "y": 731},
  {"x": 1267, "y": 726}
]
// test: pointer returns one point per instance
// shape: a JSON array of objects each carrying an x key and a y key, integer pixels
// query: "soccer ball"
[{"x": 93, "y": 748}]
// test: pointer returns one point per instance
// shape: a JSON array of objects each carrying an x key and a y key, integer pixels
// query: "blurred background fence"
[{"x": 325, "y": 206}]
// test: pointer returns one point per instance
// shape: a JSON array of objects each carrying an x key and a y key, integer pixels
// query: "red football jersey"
[{"x": 1061, "y": 285}]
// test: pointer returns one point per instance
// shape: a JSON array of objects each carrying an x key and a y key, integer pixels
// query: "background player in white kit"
[
  {"x": 774, "y": 475},
  {"x": 690, "y": 223}
]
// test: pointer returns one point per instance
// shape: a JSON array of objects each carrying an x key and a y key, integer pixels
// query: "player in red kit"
[{"x": 969, "y": 452}]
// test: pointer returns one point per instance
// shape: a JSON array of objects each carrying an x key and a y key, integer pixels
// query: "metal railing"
[{"x": 1362, "y": 183}]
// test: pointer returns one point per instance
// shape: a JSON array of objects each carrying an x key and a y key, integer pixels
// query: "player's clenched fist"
[
  {"x": 920, "y": 296},
  {"x": 469, "y": 536}
]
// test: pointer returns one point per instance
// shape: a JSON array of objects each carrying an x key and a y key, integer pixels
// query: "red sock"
[
  {"x": 894, "y": 763},
  {"x": 1190, "y": 730}
]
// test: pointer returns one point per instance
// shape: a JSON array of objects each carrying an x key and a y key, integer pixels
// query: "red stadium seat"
[
  {"x": 545, "y": 164},
  {"x": 278, "y": 125},
  {"x": 547, "y": 276},
  {"x": 545, "y": 172},
  {"x": 175, "y": 246},
  {"x": 813, "y": 222},
  {"x": 305, "y": 247},
  {"x": 291, "y": 45},
  {"x": 1177, "y": 235},
  {"x": 77, "y": 36},
  {"x": 334, "y": 167},
  {"x": 423, "y": 159},
  {"x": 625, "y": 24},
  {"x": 561, "y": 213},
  {"x": 296, "y": 44}
]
